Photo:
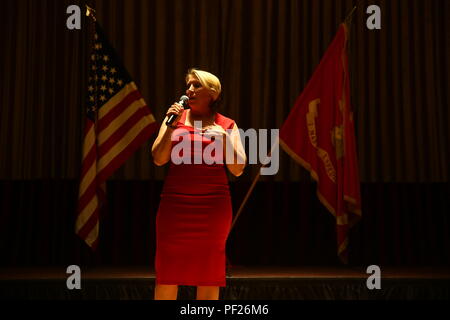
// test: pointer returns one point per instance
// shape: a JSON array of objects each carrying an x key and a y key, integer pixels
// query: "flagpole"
[
  {"x": 90, "y": 12},
  {"x": 348, "y": 18},
  {"x": 249, "y": 192}
]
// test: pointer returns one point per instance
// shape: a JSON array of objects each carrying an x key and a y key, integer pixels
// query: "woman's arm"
[
  {"x": 162, "y": 147},
  {"x": 236, "y": 167}
]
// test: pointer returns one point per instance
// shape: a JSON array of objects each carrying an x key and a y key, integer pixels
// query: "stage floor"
[
  {"x": 243, "y": 283},
  {"x": 236, "y": 272}
]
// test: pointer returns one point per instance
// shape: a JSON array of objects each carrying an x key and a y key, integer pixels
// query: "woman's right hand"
[
  {"x": 176, "y": 109},
  {"x": 162, "y": 147}
]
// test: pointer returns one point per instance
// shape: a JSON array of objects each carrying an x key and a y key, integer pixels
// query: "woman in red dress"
[{"x": 195, "y": 212}]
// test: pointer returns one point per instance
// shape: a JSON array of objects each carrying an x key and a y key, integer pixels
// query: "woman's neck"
[
  {"x": 207, "y": 118},
  {"x": 201, "y": 111}
]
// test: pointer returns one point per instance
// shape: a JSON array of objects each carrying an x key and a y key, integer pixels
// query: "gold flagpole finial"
[{"x": 90, "y": 12}]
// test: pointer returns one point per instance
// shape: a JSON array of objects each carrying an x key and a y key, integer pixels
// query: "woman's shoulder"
[{"x": 224, "y": 122}]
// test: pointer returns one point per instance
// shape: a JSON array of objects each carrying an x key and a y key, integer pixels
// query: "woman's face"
[{"x": 199, "y": 96}]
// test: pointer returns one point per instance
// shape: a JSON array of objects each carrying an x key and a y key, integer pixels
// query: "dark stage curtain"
[{"x": 264, "y": 52}]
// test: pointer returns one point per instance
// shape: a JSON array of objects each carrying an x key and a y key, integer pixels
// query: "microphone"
[{"x": 183, "y": 101}]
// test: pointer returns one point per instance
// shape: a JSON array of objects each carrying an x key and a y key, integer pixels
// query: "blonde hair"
[{"x": 208, "y": 80}]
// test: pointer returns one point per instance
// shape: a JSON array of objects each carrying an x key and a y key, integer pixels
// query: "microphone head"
[{"x": 183, "y": 101}]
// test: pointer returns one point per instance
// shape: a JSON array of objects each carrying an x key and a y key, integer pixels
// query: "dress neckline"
[{"x": 183, "y": 119}]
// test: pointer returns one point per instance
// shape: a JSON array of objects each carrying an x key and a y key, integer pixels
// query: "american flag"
[{"x": 118, "y": 122}]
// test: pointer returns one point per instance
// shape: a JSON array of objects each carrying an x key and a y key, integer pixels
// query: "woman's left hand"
[{"x": 214, "y": 130}]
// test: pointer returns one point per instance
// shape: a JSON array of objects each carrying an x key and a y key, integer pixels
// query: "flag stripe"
[
  {"x": 117, "y": 99},
  {"x": 120, "y": 144},
  {"x": 117, "y": 155},
  {"x": 88, "y": 179},
  {"x": 118, "y": 108},
  {"x": 89, "y": 138},
  {"x": 89, "y": 224},
  {"x": 87, "y": 212},
  {"x": 92, "y": 237},
  {"x": 90, "y": 191},
  {"x": 89, "y": 232},
  {"x": 124, "y": 110},
  {"x": 90, "y": 158},
  {"x": 126, "y": 121}
]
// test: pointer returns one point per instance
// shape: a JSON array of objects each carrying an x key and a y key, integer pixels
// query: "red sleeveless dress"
[{"x": 194, "y": 215}]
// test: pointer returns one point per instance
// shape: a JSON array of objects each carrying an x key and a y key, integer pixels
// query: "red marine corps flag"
[
  {"x": 118, "y": 122},
  {"x": 319, "y": 134}
]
